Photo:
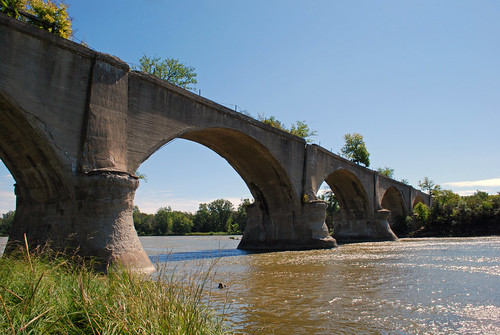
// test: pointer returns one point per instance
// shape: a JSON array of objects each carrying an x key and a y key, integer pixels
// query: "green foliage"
[
  {"x": 240, "y": 217},
  {"x": 57, "y": 295},
  {"x": 169, "y": 69},
  {"x": 217, "y": 216},
  {"x": 299, "y": 128},
  {"x": 429, "y": 186},
  {"x": 333, "y": 207},
  {"x": 422, "y": 212},
  {"x": 49, "y": 15},
  {"x": 6, "y": 223},
  {"x": 386, "y": 171},
  {"x": 455, "y": 215},
  {"x": 355, "y": 149}
]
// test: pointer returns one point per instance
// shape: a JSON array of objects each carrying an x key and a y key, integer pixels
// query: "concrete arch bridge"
[{"x": 75, "y": 125}]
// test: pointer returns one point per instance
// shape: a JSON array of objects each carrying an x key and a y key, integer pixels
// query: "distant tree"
[
  {"x": 181, "y": 223},
  {"x": 240, "y": 215},
  {"x": 429, "y": 186},
  {"x": 386, "y": 171},
  {"x": 49, "y": 15},
  {"x": 299, "y": 128},
  {"x": 355, "y": 149},
  {"x": 163, "y": 221},
  {"x": 405, "y": 181},
  {"x": 333, "y": 207},
  {"x": 169, "y": 69},
  {"x": 202, "y": 221},
  {"x": 6, "y": 223},
  {"x": 221, "y": 213}
]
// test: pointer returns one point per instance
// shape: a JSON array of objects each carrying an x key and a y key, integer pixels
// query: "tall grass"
[{"x": 42, "y": 294}]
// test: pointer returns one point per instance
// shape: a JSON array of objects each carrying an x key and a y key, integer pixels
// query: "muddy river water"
[{"x": 411, "y": 286}]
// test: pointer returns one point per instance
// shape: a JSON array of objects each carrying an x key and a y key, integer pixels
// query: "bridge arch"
[
  {"x": 393, "y": 200},
  {"x": 351, "y": 196},
  {"x": 29, "y": 156},
  {"x": 276, "y": 198},
  {"x": 265, "y": 177}
]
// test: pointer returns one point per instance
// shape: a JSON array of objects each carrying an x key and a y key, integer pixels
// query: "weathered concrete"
[{"x": 75, "y": 125}]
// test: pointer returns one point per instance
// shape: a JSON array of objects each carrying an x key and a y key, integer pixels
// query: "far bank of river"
[{"x": 411, "y": 286}]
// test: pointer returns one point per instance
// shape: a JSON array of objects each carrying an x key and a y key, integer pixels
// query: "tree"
[
  {"x": 6, "y": 223},
  {"x": 355, "y": 149},
  {"x": 169, "y": 69},
  {"x": 386, "y": 171},
  {"x": 181, "y": 223},
  {"x": 429, "y": 186},
  {"x": 299, "y": 128},
  {"x": 221, "y": 213},
  {"x": 49, "y": 15},
  {"x": 333, "y": 207},
  {"x": 163, "y": 221},
  {"x": 240, "y": 215},
  {"x": 202, "y": 221}
]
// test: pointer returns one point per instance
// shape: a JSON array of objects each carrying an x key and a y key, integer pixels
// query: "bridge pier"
[
  {"x": 95, "y": 220},
  {"x": 302, "y": 229},
  {"x": 375, "y": 228}
]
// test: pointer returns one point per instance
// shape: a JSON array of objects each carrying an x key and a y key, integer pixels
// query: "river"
[{"x": 411, "y": 286}]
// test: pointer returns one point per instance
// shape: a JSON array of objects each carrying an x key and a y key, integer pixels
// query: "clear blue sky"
[{"x": 420, "y": 80}]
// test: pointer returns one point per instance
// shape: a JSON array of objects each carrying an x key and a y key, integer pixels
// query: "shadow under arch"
[
  {"x": 35, "y": 167},
  {"x": 350, "y": 193},
  {"x": 358, "y": 221},
  {"x": 393, "y": 201},
  {"x": 272, "y": 215}
]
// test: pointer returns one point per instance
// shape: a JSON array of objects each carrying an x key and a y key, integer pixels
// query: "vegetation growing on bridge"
[
  {"x": 169, "y": 69},
  {"x": 355, "y": 149},
  {"x": 299, "y": 128},
  {"x": 49, "y": 15},
  {"x": 61, "y": 295}
]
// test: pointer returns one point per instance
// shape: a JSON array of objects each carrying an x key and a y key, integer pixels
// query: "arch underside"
[
  {"x": 393, "y": 201},
  {"x": 358, "y": 221},
  {"x": 352, "y": 198},
  {"x": 41, "y": 186},
  {"x": 268, "y": 182}
]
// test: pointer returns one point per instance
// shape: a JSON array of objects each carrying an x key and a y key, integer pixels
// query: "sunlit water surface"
[{"x": 412, "y": 286}]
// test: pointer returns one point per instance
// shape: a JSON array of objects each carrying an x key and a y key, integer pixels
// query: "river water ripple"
[{"x": 411, "y": 286}]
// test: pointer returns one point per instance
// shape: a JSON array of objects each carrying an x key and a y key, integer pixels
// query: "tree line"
[
  {"x": 217, "y": 216},
  {"x": 451, "y": 214}
]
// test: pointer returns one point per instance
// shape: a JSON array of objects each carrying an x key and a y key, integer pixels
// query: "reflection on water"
[{"x": 413, "y": 286}]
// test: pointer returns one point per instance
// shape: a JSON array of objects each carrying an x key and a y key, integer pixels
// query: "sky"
[{"x": 420, "y": 80}]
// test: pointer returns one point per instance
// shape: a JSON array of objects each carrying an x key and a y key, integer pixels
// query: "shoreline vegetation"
[{"x": 48, "y": 293}]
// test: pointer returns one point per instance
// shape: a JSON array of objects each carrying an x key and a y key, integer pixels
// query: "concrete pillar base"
[{"x": 95, "y": 221}]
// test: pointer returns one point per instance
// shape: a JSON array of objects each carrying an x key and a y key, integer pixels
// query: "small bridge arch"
[{"x": 393, "y": 200}]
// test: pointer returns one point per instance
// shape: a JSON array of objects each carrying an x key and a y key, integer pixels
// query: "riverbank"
[{"x": 61, "y": 295}]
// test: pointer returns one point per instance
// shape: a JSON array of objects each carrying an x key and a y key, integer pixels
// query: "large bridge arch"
[{"x": 32, "y": 162}]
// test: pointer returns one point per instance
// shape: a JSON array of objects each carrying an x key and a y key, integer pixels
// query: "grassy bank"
[{"x": 51, "y": 295}]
